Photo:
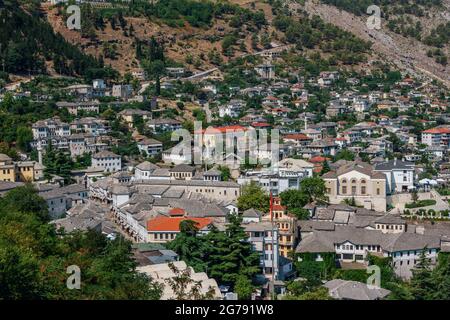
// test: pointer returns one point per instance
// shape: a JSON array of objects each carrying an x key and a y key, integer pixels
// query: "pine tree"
[{"x": 421, "y": 282}]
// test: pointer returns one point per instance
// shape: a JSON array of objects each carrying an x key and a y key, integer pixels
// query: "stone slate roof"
[
  {"x": 353, "y": 290},
  {"x": 394, "y": 164},
  {"x": 390, "y": 219},
  {"x": 252, "y": 213},
  {"x": 147, "y": 166},
  {"x": 358, "y": 166},
  {"x": 325, "y": 240}
]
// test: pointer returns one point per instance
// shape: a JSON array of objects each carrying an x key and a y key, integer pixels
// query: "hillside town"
[
  {"x": 269, "y": 177},
  {"x": 379, "y": 159}
]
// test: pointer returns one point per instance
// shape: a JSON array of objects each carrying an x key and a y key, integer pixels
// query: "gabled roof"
[
  {"x": 353, "y": 290},
  {"x": 172, "y": 224}
]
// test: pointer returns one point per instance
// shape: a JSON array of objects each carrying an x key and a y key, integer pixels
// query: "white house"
[
  {"x": 150, "y": 146},
  {"x": 399, "y": 175},
  {"x": 108, "y": 161}
]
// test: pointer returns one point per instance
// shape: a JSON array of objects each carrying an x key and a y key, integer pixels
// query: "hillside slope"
[
  {"x": 405, "y": 52},
  {"x": 29, "y": 45},
  {"x": 183, "y": 44}
]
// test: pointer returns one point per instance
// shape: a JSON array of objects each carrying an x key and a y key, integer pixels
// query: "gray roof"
[
  {"x": 353, "y": 290},
  {"x": 182, "y": 168},
  {"x": 390, "y": 219},
  {"x": 105, "y": 154},
  {"x": 325, "y": 240},
  {"x": 200, "y": 183},
  {"x": 252, "y": 213},
  {"x": 147, "y": 166},
  {"x": 394, "y": 164}
]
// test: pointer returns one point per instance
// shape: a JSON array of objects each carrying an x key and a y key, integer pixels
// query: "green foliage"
[
  {"x": 243, "y": 287},
  {"x": 253, "y": 196},
  {"x": 24, "y": 138},
  {"x": 34, "y": 257},
  {"x": 224, "y": 255},
  {"x": 225, "y": 173},
  {"x": 314, "y": 189},
  {"x": 58, "y": 163},
  {"x": 27, "y": 41},
  {"x": 420, "y": 203},
  {"x": 344, "y": 154},
  {"x": 314, "y": 32}
]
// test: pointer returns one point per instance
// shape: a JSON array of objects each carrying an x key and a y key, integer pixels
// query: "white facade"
[{"x": 108, "y": 161}]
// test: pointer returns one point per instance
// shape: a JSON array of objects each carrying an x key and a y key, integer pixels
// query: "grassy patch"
[{"x": 420, "y": 203}]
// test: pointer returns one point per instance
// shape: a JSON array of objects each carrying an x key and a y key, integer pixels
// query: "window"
[
  {"x": 378, "y": 191},
  {"x": 353, "y": 189},
  {"x": 344, "y": 190},
  {"x": 363, "y": 189}
]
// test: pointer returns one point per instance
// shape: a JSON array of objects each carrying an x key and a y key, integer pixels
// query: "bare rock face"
[{"x": 406, "y": 53}]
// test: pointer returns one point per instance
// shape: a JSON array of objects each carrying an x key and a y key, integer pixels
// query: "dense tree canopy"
[{"x": 34, "y": 257}]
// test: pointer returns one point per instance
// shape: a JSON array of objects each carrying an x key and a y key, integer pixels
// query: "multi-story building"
[
  {"x": 436, "y": 137},
  {"x": 352, "y": 244},
  {"x": 82, "y": 106},
  {"x": 89, "y": 125},
  {"x": 122, "y": 91},
  {"x": 164, "y": 124},
  {"x": 399, "y": 175},
  {"x": 128, "y": 115},
  {"x": 287, "y": 227},
  {"x": 232, "y": 109},
  {"x": 357, "y": 180},
  {"x": 108, "y": 161},
  {"x": 288, "y": 174},
  {"x": 150, "y": 146},
  {"x": 20, "y": 171},
  {"x": 163, "y": 229},
  {"x": 50, "y": 128},
  {"x": 264, "y": 238}
]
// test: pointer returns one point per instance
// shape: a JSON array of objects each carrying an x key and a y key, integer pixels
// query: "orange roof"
[
  {"x": 437, "y": 130},
  {"x": 173, "y": 223},
  {"x": 177, "y": 212},
  {"x": 318, "y": 159},
  {"x": 261, "y": 124},
  {"x": 224, "y": 129},
  {"x": 318, "y": 169},
  {"x": 278, "y": 207},
  {"x": 297, "y": 136}
]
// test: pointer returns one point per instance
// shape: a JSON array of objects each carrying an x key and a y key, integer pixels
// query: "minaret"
[
  {"x": 39, "y": 150},
  {"x": 306, "y": 122}
]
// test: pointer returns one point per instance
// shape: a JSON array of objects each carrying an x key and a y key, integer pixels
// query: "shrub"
[{"x": 421, "y": 203}]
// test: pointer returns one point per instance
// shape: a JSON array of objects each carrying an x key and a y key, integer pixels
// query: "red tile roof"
[
  {"x": 224, "y": 129},
  {"x": 437, "y": 130},
  {"x": 261, "y": 124},
  {"x": 318, "y": 159},
  {"x": 177, "y": 212},
  {"x": 173, "y": 223},
  {"x": 297, "y": 136}
]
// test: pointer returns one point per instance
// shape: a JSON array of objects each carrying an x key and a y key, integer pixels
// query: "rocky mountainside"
[{"x": 406, "y": 53}]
